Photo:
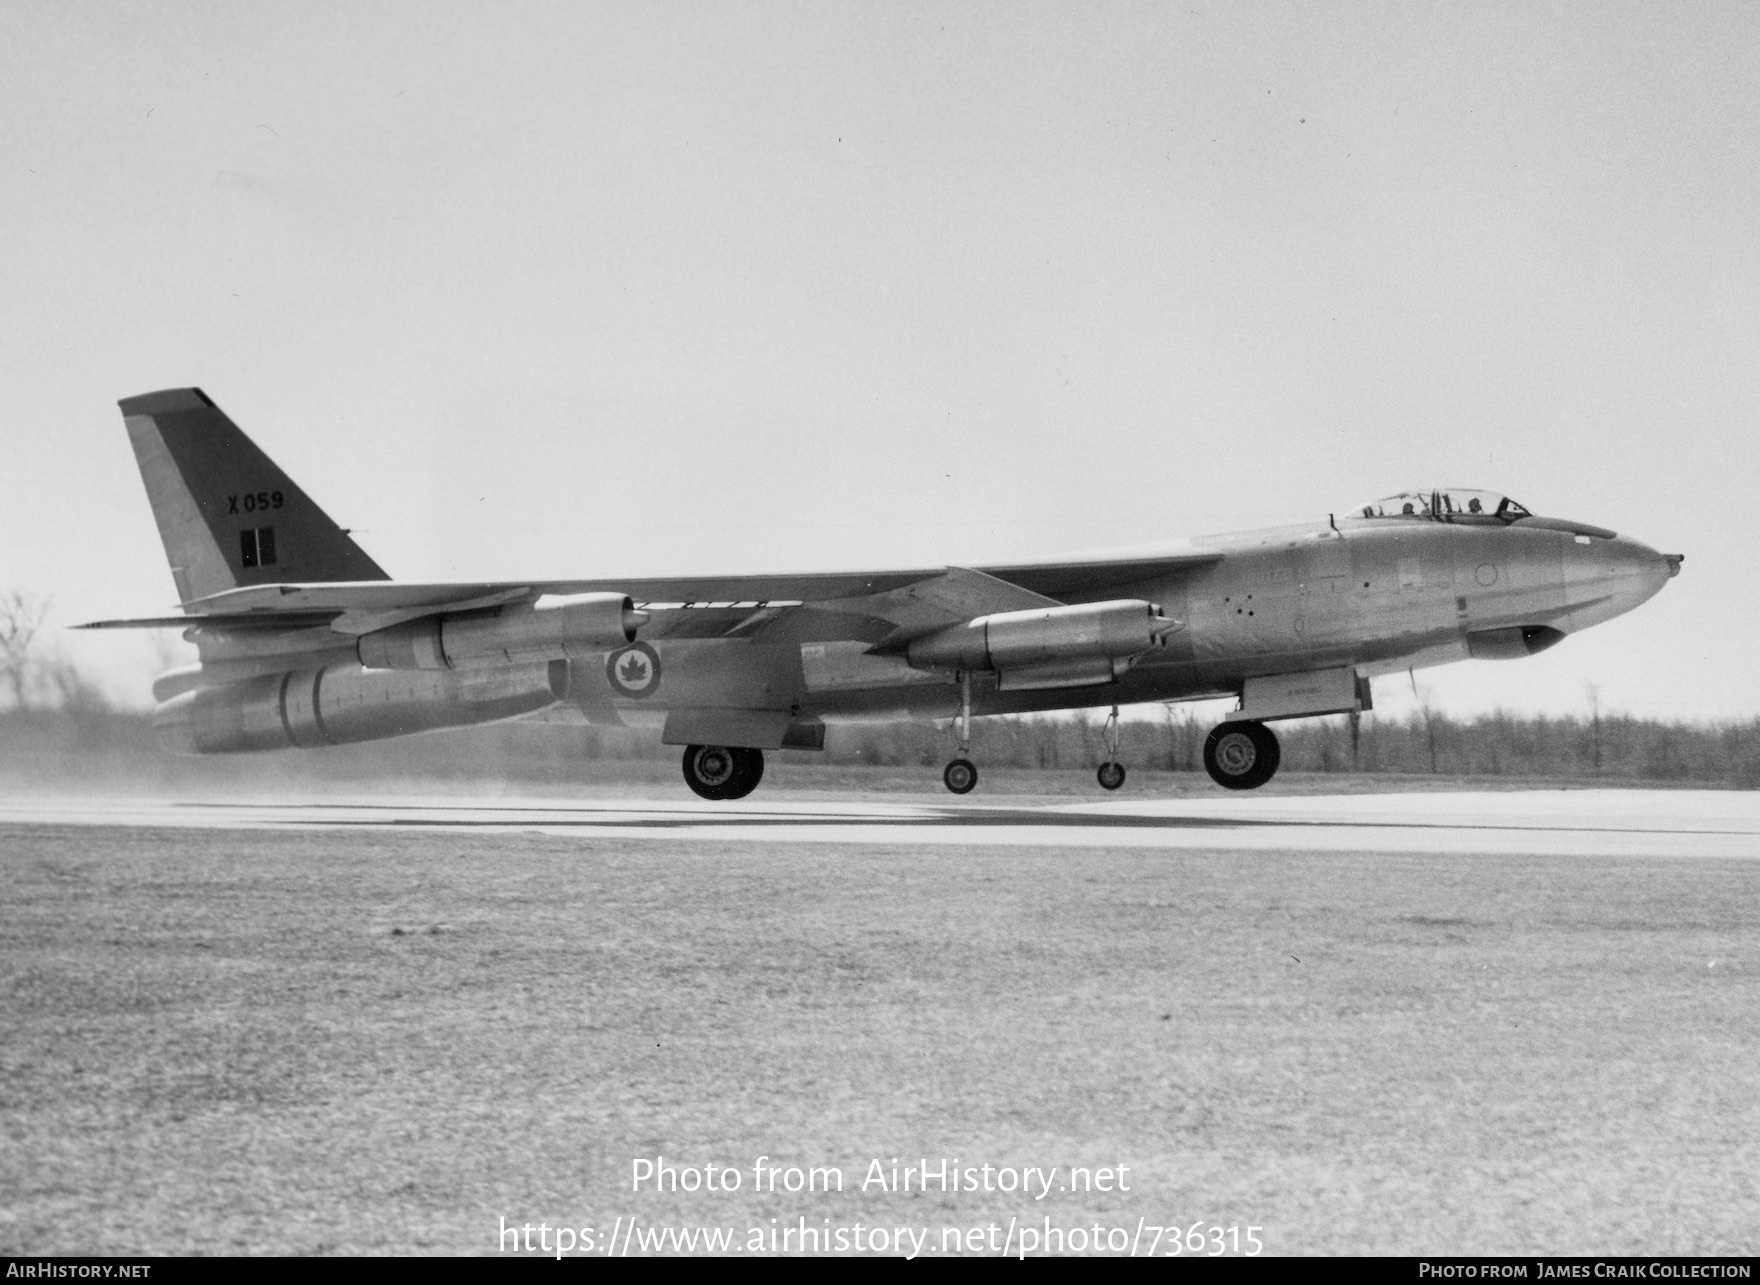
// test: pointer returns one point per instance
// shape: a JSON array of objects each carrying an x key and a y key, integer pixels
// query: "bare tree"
[
  {"x": 72, "y": 688},
  {"x": 1172, "y": 738},
  {"x": 1182, "y": 736},
  {"x": 1593, "y": 691},
  {"x": 21, "y": 618},
  {"x": 1429, "y": 714}
]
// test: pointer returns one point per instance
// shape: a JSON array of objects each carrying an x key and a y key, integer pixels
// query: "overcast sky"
[{"x": 555, "y": 290}]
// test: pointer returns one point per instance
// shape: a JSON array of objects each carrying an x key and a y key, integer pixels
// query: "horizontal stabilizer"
[{"x": 222, "y": 620}]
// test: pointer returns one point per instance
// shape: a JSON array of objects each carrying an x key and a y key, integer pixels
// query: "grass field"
[{"x": 327, "y": 1041}]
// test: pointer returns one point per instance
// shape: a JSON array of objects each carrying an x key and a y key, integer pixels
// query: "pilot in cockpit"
[{"x": 1455, "y": 504}]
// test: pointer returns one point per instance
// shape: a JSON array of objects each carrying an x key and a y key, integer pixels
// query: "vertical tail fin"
[{"x": 227, "y": 515}]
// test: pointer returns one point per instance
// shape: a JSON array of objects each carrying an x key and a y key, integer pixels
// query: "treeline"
[
  {"x": 1506, "y": 745},
  {"x": 56, "y": 724},
  {"x": 88, "y": 741}
]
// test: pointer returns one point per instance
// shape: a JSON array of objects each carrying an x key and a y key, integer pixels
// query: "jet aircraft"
[{"x": 305, "y": 642}]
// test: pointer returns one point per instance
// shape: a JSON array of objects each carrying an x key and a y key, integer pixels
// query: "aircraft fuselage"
[
  {"x": 1377, "y": 595},
  {"x": 305, "y": 641}
]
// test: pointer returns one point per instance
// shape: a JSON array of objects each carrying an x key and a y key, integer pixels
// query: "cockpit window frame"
[{"x": 1439, "y": 505}]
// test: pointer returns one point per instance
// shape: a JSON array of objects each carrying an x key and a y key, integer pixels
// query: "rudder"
[{"x": 227, "y": 515}]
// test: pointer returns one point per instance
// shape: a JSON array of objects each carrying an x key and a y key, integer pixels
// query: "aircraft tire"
[
  {"x": 748, "y": 771},
  {"x": 1241, "y": 755},
  {"x": 710, "y": 769},
  {"x": 1110, "y": 775},
  {"x": 960, "y": 776}
]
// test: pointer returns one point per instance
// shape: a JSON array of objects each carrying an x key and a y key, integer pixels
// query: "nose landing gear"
[
  {"x": 962, "y": 774},
  {"x": 1111, "y": 773},
  {"x": 1241, "y": 755}
]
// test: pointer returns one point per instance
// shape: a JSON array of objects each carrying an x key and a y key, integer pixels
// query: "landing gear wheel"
[
  {"x": 1110, "y": 775},
  {"x": 1241, "y": 755},
  {"x": 748, "y": 770},
  {"x": 721, "y": 772},
  {"x": 961, "y": 775},
  {"x": 709, "y": 769}
]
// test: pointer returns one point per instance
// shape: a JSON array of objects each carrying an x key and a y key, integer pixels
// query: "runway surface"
[
  {"x": 1449, "y": 1023},
  {"x": 1667, "y": 823}
]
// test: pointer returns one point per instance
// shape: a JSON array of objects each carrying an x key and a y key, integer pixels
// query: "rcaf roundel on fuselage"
[{"x": 633, "y": 671}]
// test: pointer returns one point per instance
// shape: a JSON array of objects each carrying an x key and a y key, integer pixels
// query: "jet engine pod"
[
  {"x": 341, "y": 704},
  {"x": 1048, "y": 641},
  {"x": 555, "y": 628}
]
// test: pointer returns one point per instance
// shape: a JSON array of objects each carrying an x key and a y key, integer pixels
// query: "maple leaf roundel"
[{"x": 633, "y": 671}]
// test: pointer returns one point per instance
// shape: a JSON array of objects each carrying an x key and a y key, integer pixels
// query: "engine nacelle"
[
  {"x": 344, "y": 703},
  {"x": 1048, "y": 646},
  {"x": 554, "y": 629}
]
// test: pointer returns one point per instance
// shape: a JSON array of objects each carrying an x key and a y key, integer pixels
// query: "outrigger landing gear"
[
  {"x": 962, "y": 774},
  {"x": 1241, "y": 755},
  {"x": 1111, "y": 773},
  {"x": 722, "y": 771}
]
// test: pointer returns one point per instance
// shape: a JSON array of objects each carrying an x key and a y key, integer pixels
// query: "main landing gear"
[
  {"x": 962, "y": 774},
  {"x": 1241, "y": 755},
  {"x": 722, "y": 771}
]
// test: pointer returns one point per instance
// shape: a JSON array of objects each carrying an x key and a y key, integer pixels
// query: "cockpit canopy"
[{"x": 1448, "y": 504}]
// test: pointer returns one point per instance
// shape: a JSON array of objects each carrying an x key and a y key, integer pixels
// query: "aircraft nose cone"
[
  {"x": 1639, "y": 567},
  {"x": 1607, "y": 578}
]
